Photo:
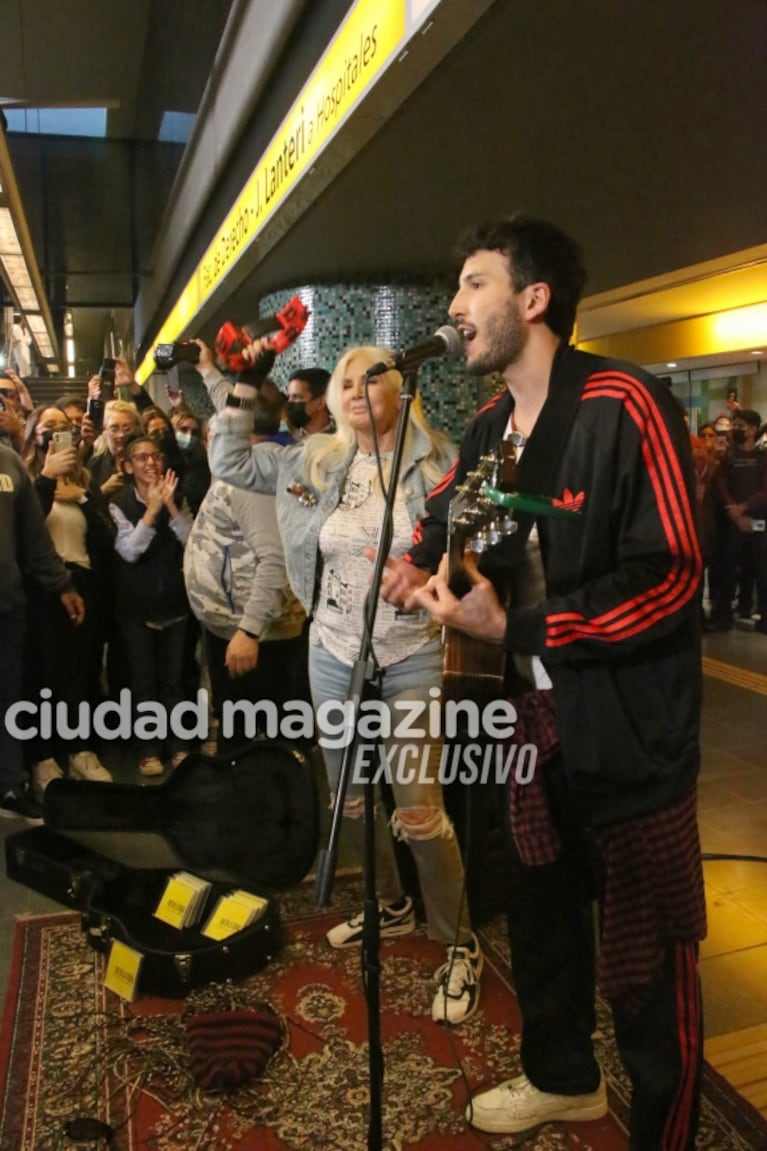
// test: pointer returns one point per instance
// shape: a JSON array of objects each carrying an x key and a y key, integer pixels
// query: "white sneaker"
[
  {"x": 458, "y": 992},
  {"x": 517, "y": 1105},
  {"x": 394, "y": 919},
  {"x": 42, "y": 774},
  {"x": 87, "y": 765}
]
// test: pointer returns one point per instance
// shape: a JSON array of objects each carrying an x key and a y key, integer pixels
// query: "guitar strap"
[{"x": 538, "y": 465}]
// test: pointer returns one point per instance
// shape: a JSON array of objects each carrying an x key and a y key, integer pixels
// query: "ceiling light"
[
  {"x": 18, "y": 264},
  {"x": 671, "y": 365},
  {"x": 36, "y": 325},
  {"x": 17, "y": 274},
  {"x": 741, "y": 326},
  {"x": 757, "y": 352},
  {"x": 69, "y": 345},
  {"x": 9, "y": 240}
]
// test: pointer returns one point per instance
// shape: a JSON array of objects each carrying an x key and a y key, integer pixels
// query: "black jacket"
[
  {"x": 26, "y": 549},
  {"x": 151, "y": 589},
  {"x": 618, "y": 630}
]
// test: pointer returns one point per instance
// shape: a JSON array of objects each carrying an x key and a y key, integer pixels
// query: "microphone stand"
[{"x": 361, "y": 682}]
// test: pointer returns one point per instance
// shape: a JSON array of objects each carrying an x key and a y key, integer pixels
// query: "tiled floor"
[{"x": 733, "y": 820}]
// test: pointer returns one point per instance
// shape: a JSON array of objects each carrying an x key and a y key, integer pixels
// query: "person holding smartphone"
[{"x": 60, "y": 656}]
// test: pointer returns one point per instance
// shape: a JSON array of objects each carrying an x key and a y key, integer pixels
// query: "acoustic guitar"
[
  {"x": 482, "y": 513},
  {"x": 474, "y": 668}
]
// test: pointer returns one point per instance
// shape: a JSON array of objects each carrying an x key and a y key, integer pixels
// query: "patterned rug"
[{"x": 69, "y": 1049}]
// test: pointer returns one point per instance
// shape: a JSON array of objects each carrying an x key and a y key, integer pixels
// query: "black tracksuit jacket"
[{"x": 618, "y": 630}]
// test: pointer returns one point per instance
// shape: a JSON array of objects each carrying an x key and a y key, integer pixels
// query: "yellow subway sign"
[{"x": 364, "y": 45}]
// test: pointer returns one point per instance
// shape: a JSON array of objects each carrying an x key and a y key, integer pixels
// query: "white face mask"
[{"x": 184, "y": 439}]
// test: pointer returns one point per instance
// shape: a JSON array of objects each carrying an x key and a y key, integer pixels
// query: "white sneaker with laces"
[
  {"x": 517, "y": 1105},
  {"x": 87, "y": 765},
  {"x": 42, "y": 774},
  {"x": 393, "y": 919},
  {"x": 458, "y": 992}
]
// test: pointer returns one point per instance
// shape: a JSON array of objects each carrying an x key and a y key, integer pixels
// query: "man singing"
[{"x": 603, "y": 606}]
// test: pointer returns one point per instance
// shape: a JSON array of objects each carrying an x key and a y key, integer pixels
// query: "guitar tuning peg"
[
  {"x": 508, "y": 526},
  {"x": 494, "y": 533},
  {"x": 479, "y": 542}
]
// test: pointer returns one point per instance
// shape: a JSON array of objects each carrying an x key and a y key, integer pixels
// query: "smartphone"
[
  {"x": 172, "y": 382},
  {"x": 107, "y": 375},
  {"x": 95, "y": 412},
  {"x": 732, "y": 395},
  {"x": 61, "y": 441}
]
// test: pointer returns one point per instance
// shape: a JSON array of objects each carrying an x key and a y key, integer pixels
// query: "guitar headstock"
[
  {"x": 474, "y": 521},
  {"x": 482, "y": 511}
]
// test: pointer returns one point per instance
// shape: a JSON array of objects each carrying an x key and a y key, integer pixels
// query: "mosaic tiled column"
[{"x": 392, "y": 316}]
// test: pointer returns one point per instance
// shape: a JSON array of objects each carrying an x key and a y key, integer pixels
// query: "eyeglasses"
[{"x": 145, "y": 457}]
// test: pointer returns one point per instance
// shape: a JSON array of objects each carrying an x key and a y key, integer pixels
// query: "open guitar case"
[{"x": 108, "y": 849}]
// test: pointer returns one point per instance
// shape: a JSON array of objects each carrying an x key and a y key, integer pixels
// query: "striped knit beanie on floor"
[{"x": 230, "y": 1048}]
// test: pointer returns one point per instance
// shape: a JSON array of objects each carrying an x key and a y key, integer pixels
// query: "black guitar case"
[{"x": 108, "y": 849}]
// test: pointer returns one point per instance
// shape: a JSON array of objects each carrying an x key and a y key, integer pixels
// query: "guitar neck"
[{"x": 472, "y": 668}]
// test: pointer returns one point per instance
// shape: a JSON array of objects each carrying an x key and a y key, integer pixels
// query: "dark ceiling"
[{"x": 636, "y": 124}]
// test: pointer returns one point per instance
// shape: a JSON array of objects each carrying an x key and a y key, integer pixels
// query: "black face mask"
[
  {"x": 738, "y": 435},
  {"x": 297, "y": 414}
]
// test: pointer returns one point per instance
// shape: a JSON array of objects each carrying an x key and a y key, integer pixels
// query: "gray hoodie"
[{"x": 234, "y": 567}]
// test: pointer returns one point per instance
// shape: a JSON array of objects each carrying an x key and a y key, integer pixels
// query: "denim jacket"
[{"x": 279, "y": 470}]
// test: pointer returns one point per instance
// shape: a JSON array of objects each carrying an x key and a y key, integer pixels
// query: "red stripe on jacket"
[
  {"x": 666, "y": 477},
  {"x": 677, "y": 1132}
]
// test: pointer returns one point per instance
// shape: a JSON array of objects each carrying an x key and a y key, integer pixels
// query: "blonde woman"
[
  {"x": 329, "y": 507},
  {"x": 121, "y": 421}
]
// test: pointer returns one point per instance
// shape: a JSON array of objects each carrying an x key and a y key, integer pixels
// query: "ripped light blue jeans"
[{"x": 419, "y": 817}]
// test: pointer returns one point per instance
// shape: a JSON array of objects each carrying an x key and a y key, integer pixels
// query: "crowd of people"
[
  {"x": 730, "y": 457},
  {"x": 137, "y": 544},
  {"x": 119, "y": 482}
]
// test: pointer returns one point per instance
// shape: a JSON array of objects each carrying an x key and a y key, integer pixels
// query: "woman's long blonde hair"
[{"x": 325, "y": 453}]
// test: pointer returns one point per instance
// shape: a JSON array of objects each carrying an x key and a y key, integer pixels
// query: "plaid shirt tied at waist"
[{"x": 651, "y": 866}]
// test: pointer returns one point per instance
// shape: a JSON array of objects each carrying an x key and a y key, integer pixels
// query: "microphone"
[{"x": 445, "y": 342}]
